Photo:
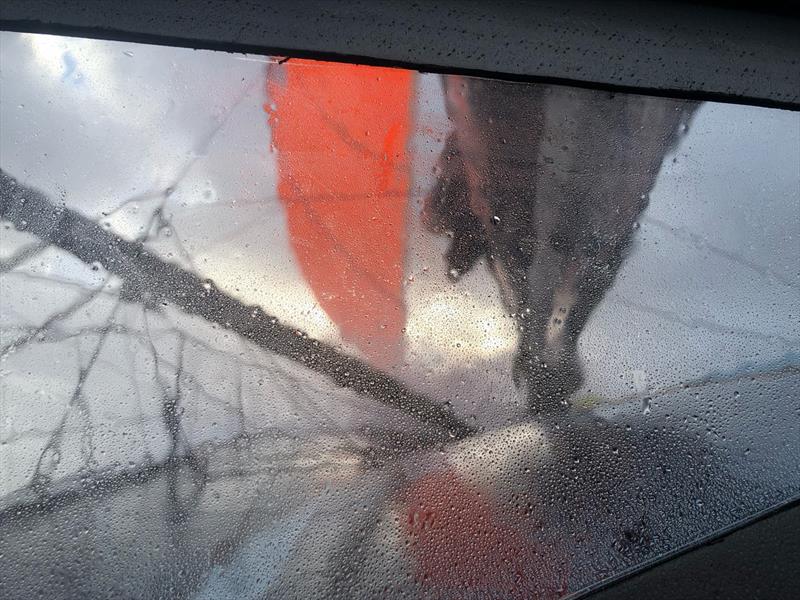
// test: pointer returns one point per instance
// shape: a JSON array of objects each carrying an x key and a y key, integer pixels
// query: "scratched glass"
[{"x": 285, "y": 328}]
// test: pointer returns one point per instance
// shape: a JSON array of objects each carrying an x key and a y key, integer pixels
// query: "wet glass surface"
[{"x": 290, "y": 328}]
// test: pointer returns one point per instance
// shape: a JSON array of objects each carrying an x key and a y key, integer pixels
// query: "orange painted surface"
[
  {"x": 460, "y": 540},
  {"x": 343, "y": 176}
]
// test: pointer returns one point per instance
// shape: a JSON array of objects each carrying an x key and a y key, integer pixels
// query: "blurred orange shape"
[{"x": 340, "y": 131}]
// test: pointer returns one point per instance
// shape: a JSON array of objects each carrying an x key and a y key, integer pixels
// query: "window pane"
[{"x": 279, "y": 327}]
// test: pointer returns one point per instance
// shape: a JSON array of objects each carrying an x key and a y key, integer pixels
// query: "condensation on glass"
[{"x": 285, "y": 328}]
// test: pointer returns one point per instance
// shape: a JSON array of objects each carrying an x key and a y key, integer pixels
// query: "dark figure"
[{"x": 547, "y": 183}]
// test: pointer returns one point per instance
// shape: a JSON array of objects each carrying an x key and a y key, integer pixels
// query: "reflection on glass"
[{"x": 290, "y": 328}]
